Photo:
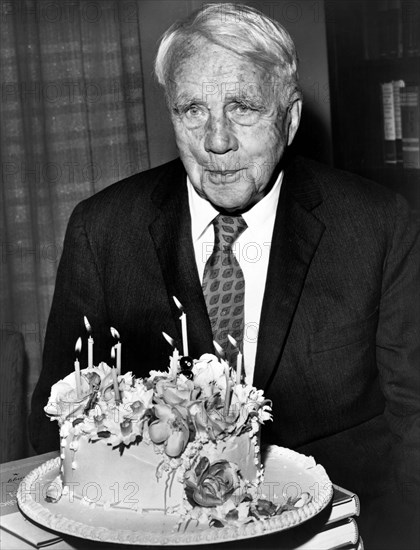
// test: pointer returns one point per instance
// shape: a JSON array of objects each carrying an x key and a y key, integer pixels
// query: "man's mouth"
[{"x": 221, "y": 176}]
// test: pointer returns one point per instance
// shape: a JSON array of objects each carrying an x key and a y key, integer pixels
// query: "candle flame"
[
  {"x": 170, "y": 340},
  {"x": 219, "y": 348},
  {"x": 113, "y": 352},
  {"x": 115, "y": 333},
  {"x": 78, "y": 346},
  {"x": 178, "y": 304},
  {"x": 87, "y": 324},
  {"x": 232, "y": 340}
]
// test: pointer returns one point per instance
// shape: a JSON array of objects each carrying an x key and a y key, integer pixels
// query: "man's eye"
[
  {"x": 193, "y": 111},
  {"x": 244, "y": 114},
  {"x": 242, "y": 108}
]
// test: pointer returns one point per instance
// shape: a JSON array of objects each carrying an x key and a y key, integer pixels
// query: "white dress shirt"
[{"x": 251, "y": 249}]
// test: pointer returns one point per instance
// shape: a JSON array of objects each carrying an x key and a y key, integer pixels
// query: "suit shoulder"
[
  {"x": 135, "y": 190},
  {"x": 349, "y": 189}
]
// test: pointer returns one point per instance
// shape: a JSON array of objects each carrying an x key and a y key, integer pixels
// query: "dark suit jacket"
[{"x": 338, "y": 348}]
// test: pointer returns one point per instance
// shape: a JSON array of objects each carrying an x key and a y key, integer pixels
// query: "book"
[
  {"x": 11, "y": 474},
  {"x": 345, "y": 504},
  {"x": 410, "y": 124},
  {"x": 410, "y": 15},
  {"x": 383, "y": 28},
  {"x": 397, "y": 85},
  {"x": 11, "y": 520},
  {"x": 358, "y": 546},
  {"x": 340, "y": 534},
  {"x": 394, "y": 28},
  {"x": 17, "y": 525},
  {"x": 389, "y": 133}
]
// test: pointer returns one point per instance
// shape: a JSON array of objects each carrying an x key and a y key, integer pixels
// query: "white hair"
[{"x": 240, "y": 29}]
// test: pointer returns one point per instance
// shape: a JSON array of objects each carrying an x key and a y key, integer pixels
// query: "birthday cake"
[{"x": 184, "y": 441}]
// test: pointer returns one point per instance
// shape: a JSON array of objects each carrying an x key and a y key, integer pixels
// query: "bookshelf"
[{"x": 370, "y": 43}]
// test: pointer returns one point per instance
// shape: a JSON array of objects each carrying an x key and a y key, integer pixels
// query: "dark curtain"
[{"x": 72, "y": 122}]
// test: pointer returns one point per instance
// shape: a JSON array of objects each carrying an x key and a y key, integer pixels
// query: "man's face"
[{"x": 230, "y": 128}]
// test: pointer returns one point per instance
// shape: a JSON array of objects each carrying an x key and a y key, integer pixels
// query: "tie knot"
[{"x": 227, "y": 229}]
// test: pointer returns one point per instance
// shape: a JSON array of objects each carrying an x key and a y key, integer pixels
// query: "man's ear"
[{"x": 295, "y": 110}]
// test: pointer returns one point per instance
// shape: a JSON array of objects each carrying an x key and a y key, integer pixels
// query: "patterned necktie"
[{"x": 224, "y": 285}]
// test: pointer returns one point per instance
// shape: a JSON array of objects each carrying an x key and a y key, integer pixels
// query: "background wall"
[{"x": 304, "y": 19}]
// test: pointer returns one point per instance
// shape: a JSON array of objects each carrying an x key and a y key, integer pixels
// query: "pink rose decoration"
[{"x": 211, "y": 485}]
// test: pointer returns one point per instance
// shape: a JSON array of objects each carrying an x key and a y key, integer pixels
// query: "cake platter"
[{"x": 287, "y": 474}]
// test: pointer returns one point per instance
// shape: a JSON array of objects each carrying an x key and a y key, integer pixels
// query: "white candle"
[
  {"x": 114, "y": 376},
  {"x": 115, "y": 383},
  {"x": 184, "y": 333},
  {"x": 174, "y": 363},
  {"x": 238, "y": 359},
  {"x": 90, "y": 342},
  {"x": 227, "y": 393},
  {"x": 174, "y": 357},
  {"x": 183, "y": 319},
  {"x": 238, "y": 368},
  {"x": 118, "y": 350},
  {"x": 90, "y": 352},
  {"x": 78, "y": 349},
  {"x": 117, "y": 347}
]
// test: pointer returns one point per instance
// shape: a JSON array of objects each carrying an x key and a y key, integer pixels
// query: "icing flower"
[
  {"x": 137, "y": 399},
  {"x": 119, "y": 424},
  {"x": 209, "y": 375},
  {"x": 210, "y": 485},
  {"x": 249, "y": 404},
  {"x": 208, "y": 418},
  {"x": 63, "y": 402},
  {"x": 175, "y": 392},
  {"x": 169, "y": 428}
]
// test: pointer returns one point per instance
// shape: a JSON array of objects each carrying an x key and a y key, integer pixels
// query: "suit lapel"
[
  {"x": 171, "y": 234},
  {"x": 297, "y": 233}
]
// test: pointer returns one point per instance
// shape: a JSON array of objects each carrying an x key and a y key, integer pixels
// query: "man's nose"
[{"x": 219, "y": 136}]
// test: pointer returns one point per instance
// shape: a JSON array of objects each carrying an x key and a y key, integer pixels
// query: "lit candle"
[
  {"x": 117, "y": 347},
  {"x": 183, "y": 319},
  {"x": 78, "y": 349},
  {"x": 219, "y": 349},
  {"x": 90, "y": 342},
  {"x": 175, "y": 355},
  {"x": 227, "y": 393},
  {"x": 174, "y": 363},
  {"x": 238, "y": 359},
  {"x": 114, "y": 376}
]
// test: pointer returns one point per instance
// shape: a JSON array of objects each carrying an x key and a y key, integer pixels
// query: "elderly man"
[{"x": 312, "y": 270}]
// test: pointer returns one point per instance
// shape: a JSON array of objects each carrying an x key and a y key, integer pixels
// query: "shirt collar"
[{"x": 203, "y": 212}]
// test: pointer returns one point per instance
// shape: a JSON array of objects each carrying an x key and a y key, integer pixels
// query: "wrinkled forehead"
[{"x": 204, "y": 70}]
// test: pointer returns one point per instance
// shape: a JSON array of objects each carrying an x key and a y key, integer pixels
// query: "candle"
[
  {"x": 183, "y": 319},
  {"x": 227, "y": 393},
  {"x": 175, "y": 355},
  {"x": 174, "y": 363},
  {"x": 78, "y": 349},
  {"x": 239, "y": 368},
  {"x": 117, "y": 347},
  {"x": 114, "y": 376},
  {"x": 238, "y": 359},
  {"x": 90, "y": 342},
  {"x": 219, "y": 349}
]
